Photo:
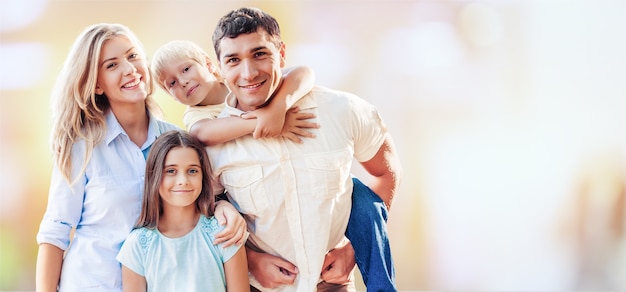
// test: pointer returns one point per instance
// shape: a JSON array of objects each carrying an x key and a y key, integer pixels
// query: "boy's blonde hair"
[{"x": 177, "y": 50}]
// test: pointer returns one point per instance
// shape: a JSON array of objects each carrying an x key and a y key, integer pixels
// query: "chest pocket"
[
  {"x": 329, "y": 173},
  {"x": 244, "y": 185}
]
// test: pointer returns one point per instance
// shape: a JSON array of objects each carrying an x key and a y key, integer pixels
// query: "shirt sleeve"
[
  {"x": 65, "y": 203},
  {"x": 369, "y": 129},
  {"x": 132, "y": 254},
  {"x": 194, "y": 114},
  {"x": 228, "y": 252}
]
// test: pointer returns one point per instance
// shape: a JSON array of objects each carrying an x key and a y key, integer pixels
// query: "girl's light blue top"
[{"x": 188, "y": 263}]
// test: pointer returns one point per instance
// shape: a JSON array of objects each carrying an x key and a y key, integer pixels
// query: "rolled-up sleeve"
[
  {"x": 64, "y": 209},
  {"x": 369, "y": 130}
]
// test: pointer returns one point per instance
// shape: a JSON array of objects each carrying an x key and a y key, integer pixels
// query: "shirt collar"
[
  {"x": 230, "y": 109},
  {"x": 153, "y": 131},
  {"x": 115, "y": 129}
]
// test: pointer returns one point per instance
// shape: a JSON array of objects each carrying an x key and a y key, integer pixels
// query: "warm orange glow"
[{"x": 509, "y": 118}]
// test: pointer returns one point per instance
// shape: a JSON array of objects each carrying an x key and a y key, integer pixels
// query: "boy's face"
[
  {"x": 251, "y": 65},
  {"x": 188, "y": 81}
]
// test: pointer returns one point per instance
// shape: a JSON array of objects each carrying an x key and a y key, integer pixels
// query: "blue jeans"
[{"x": 367, "y": 231}]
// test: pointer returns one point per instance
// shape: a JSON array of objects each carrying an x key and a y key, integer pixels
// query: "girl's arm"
[
  {"x": 236, "y": 272},
  {"x": 132, "y": 282},
  {"x": 297, "y": 82},
  {"x": 48, "y": 271}
]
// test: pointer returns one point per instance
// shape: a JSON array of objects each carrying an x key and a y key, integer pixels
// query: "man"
[{"x": 295, "y": 197}]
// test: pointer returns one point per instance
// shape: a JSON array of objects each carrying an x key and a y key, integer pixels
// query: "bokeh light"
[{"x": 508, "y": 117}]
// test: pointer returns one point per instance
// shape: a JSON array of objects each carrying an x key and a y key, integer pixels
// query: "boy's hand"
[
  {"x": 296, "y": 124},
  {"x": 292, "y": 127},
  {"x": 269, "y": 123},
  {"x": 235, "y": 230},
  {"x": 339, "y": 263}
]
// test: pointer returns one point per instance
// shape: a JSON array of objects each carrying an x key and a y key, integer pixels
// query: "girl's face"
[
  {"x": 189, "y": 82},
  {"x": 122, "y": 72},
  {"x": 182, "y": 178}
]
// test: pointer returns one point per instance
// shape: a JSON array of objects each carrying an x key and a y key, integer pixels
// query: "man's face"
[{"x": 252, "y": 66}]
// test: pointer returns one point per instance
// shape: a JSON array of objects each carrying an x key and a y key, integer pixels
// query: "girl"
[
  {"x": 104, "y": 125},
  {"x": 171, "y": 249}
]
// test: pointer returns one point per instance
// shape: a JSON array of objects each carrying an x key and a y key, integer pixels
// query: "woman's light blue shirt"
[{"x": 103, "y": 205}]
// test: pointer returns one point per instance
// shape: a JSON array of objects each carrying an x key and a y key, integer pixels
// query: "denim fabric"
[{"x": 367, "y": 231}]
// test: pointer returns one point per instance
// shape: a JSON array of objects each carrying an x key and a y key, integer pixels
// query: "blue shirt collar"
[{"x": 114, "y": 129}]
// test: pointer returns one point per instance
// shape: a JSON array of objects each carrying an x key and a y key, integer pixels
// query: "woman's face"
[{"x": 122, "y": 72}]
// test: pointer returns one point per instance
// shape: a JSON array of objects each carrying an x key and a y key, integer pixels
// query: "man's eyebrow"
[
  {"x": 230, "y": 55},
  {"x": 258, "y": 48},
  {"x": 251, "y": 51}
]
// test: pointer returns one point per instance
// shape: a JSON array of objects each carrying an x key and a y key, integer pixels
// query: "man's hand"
[
  {"x": 271, "y": 271},
  {"x": 235, "y": 230},
  {"x": 339, "y": 263}
]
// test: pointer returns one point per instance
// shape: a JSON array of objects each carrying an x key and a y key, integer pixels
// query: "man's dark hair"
[{"x": 244, "y": 21}]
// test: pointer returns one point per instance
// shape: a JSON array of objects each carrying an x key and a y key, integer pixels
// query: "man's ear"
[
  {"x": 99, "y": 90},
  {"x": 211, "y": 66},
  {"x": 282, "y": 54}
]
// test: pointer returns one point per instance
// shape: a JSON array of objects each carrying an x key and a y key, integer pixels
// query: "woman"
[{"x": 104, "y": 125}]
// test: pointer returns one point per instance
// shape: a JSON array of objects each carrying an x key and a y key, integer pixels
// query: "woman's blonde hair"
[
  {"x": 177, "y": 50},
  {"x": 78, "y": 112}
]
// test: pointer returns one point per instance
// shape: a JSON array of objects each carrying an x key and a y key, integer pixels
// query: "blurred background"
[{"x": 509, "y": 117}]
